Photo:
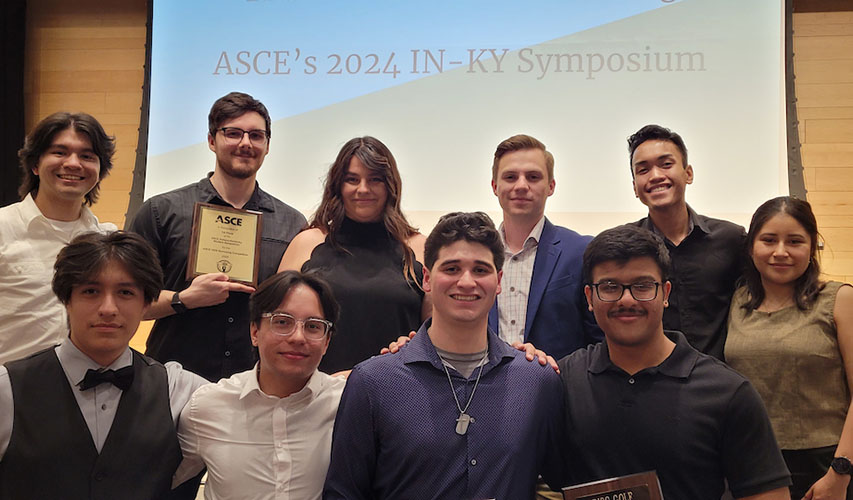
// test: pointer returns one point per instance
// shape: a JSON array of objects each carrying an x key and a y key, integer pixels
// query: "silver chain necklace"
[{"x": 464, "y": 419}]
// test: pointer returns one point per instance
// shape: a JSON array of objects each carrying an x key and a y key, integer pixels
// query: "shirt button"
[
  {"x": 631, "y": 380},
  {"x": 473, "y": 461},
  {"x": 512, "y": 289},
  {"x": 227, "y": 353},
  {"x": 104, "y": 406},
  {"x": 230, "y": 319},
  {"x": 512, "y": 322},
  {"x": 515, "y": 258}
]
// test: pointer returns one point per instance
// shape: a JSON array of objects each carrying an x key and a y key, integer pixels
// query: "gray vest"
[{"x": 51, "y": 453}]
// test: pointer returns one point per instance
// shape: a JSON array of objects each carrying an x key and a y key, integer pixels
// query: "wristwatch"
[
  {"x": 179, "y": 308},
  {"x": 842, "y": 465}
]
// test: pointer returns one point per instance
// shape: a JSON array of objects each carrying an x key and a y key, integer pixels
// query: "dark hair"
[
  {"x": 808, "y": 285},
  {"x": 273, "y": 290},
  {"x": 623, "y": 243},
  {"x": 521, "y": 142},
  {"x": 87, "y": 255},
  {"x": 377, "y": 159},
  {"x": 655, "y": 133},
  {"x": 233, "y": 105},
  {"x": 474, "y": 227},
  {"x": 41, "y": 137}
]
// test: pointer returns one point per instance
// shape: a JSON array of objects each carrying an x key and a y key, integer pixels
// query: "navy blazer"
[{"x": 558, "y": 319}]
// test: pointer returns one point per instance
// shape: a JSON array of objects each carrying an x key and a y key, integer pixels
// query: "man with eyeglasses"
[
  {"x": 644, "y": 399},
  {"x": 204, "y": 323},
  {"x": 266, "y": 432}
]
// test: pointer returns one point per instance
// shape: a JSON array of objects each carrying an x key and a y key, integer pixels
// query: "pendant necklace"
[{"x": 464, "y": 419}]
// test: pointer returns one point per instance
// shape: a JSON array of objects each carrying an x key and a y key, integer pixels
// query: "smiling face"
[
  {"x": 363, "y": 192},
  {"x": 287, "y": 362},
  {"x": 522, "y": 184},
  {"x": 660, "y": 176},
  {"x": 67, "y": 170},
  {"x": 782, "y": 250},
  {"x": 463, "y": 282},
  {"x": 239, "y": 160},
  {"x": 629, "y": 322},
  {"x": 104, "y": 313}
]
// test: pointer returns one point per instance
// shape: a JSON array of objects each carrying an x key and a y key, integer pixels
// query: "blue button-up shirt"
[{"x": 395, "y": 432}]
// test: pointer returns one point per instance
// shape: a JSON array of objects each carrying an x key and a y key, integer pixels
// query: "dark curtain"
[{"x": 13, "y": 22}]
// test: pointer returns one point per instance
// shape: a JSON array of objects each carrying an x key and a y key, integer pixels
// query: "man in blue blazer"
[{"x": 542, "y": 299}]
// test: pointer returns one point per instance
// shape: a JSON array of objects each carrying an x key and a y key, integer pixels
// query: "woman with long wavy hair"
[
  {"x": 362, "y": 244},
  {"x": 791, "y": 334}
]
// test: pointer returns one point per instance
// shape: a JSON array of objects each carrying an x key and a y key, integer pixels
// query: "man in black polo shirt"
[
  {"x": 204, "y": 323},
  {"x": 705, "y": 252},
  {"x": 644, "y": 399}
]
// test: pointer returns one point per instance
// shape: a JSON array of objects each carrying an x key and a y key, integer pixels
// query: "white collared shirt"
[
  {"x": 256, "y": 445},
  {"x": 31, "y": 317},
  {"x": 515, "y": 285},
  {"x": 98, "y": 405}
]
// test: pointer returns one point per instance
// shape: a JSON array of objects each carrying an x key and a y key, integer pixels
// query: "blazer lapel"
[{"x": 547, "y": 255}]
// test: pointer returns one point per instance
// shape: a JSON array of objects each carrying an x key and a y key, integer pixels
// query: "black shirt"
[
  {"x": 705, "y": 267},
  {"x": 211, "y": 341},
  {"x": 692, "y": 419}
]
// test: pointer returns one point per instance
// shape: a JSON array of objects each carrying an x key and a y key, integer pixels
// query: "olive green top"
[{"x": 792, "y": 358}]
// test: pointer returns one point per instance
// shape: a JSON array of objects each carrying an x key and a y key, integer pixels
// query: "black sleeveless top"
[{"x": 377, "y": 303}]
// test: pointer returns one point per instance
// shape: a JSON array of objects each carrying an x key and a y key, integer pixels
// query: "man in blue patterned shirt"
[{"x": 457, "y": 413}]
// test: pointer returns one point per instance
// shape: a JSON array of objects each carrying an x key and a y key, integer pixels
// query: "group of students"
[{"x": 457, "y": 413}]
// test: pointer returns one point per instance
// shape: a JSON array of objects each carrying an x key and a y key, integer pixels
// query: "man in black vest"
[{"x": 91, "y": 418}]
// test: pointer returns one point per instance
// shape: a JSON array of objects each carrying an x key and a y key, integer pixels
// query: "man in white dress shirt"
[
  {"x": 63, "y": 160},
  {"x": 266, "y": 433},
  {"x": 91, "y": 418}
]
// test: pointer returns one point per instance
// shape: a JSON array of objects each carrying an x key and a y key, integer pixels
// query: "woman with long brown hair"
[
  {"x": 362, "y": 244},
  {"x": 791, "y": 334}
]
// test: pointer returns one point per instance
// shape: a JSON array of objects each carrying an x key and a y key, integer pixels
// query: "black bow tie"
[{"x": 121, "y": 378}]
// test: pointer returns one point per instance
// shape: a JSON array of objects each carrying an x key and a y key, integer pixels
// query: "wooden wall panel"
[
  {"x": 823, "y": 66},
  {"x": 88, "y": 56}
]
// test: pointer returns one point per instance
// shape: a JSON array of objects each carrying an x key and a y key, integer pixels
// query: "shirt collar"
[
  {"x": 259, "y": 200},
  {"x": 420, "y": 350},
  {"x": 532, "y": 238},
  {"x": 30, "y": 211},
  {"x": 693, "y": 221},
  {"x": 75, "y": 362},
  {"x": 313, "y": 387},
  {"x": 679, "y": 363}
]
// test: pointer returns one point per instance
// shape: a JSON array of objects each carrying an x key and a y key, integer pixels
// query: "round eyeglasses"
[
  {"x": 314, "y": 329},
  {"x": 233, "y": 135},
  {"x": 643, "y": 291}
]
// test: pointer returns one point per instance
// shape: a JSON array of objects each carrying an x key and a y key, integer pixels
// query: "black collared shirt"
[
  {"x": 691, "y": 418},
  {"x": 210, "y": 341},
  {"x": 705, "y": 267}
]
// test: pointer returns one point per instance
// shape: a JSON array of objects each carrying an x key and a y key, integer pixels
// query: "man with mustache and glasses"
[
  {"x": 63, "y": 161},
  {"x": 644, "y": 399},
  {"x": 204, "y": 323},
  {"x": 705, "y": 252}
]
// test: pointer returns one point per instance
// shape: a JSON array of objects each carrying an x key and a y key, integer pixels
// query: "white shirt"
[
  {"x": 31, "y": 317},
  {"x": 515, "y": 285},
  {"x": 98, "y": 404},
  {"x": 256, "y": 445}
]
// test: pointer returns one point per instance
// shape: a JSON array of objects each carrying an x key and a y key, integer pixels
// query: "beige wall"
[{"x": 823, "y": 65}]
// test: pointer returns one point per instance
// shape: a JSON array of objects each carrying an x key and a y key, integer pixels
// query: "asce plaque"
[{"x": 225, "y": 240}]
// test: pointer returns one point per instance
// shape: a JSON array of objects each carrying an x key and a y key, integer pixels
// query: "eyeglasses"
[
  {"x": 643, "y": 291},
  {"x": 234, "y": 135},
  {"x": 313, "y": 329}
]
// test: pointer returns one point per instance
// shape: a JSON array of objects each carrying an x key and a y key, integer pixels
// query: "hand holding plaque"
[{"x": 225, "y": 240}]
